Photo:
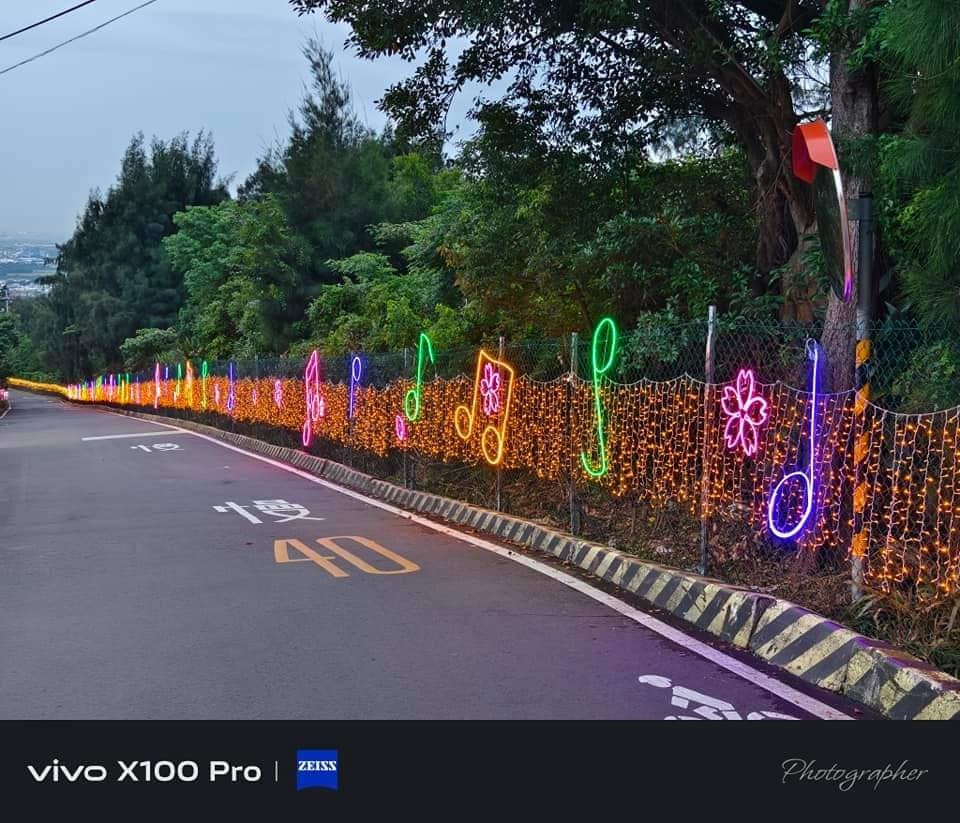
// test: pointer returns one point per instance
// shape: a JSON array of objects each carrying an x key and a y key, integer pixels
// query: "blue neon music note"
[
  {"x": 784, "y": 530},
  {"x": 356, "y": 372}
]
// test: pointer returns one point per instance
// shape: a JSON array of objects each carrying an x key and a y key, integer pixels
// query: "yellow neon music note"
[{"x": 488, "y": 384}]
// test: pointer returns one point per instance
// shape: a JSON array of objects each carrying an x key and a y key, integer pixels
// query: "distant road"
[{"x": 148, "y": 573}]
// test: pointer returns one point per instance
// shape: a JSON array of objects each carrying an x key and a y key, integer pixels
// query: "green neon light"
[
  {"x": 204, "y": 373},
  {"x": 605, "y": 345},
  {"x": 412, "y": 397}
]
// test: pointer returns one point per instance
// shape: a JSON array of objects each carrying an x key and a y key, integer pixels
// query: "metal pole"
[
  {"x": 571, "y": 428},
  {"x": 406, "y": 480},
  {"x": 708, "y": 369},
  {"x": 502, "y": 348},
  {"x": 861, "y": 448}
]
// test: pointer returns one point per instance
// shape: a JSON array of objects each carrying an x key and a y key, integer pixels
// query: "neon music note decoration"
[
  {"x": 204, "y": 374},
  {"x": 489, "y": 381},
  {"x": 607, "y": 328},
  {"x": 783, "y": 529},
  {"x": 315, "y": 404},
  {"x": 356, "y": 371},
  {"x": 231, "y": 387},
  {"x": 415, "y": 395}
]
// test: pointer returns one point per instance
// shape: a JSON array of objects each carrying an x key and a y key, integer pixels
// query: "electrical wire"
[
  {"x": 78, "y": 37},
  {"x": 47, "y": 20}
]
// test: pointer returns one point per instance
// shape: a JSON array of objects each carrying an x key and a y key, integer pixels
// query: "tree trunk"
[
  {"x": 855, "y": 109},
  {"x": 764, "y": 127}
]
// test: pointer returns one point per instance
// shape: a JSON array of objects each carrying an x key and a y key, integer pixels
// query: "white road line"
[
  {"x": 238, "y": 509},
  {"x": 791, "y": 695},
  {"x": 8, "y": 409},
  {"x": 170, "y": 432}
]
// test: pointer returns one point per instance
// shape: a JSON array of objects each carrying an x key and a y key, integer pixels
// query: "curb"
[{"x": 785, "y": 635}]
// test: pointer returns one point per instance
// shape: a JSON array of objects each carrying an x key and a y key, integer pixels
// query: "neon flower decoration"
[
  {"x": 603, "y": 351},
  {"x": 490, "y": 390},
  {"x": 746, "y": 412},
  {"x": 493, "y": 438},
  {"x": 254, "y": 396},
  {"x": 781, "y": 527},
  {"x": 278, "y": 393},
  {"x": 315, "y": 404},
  {"x": 216, "y": 394},
  {"x": 231, "y": 387},
  {"x": 412, "y": 399},
  {"x": 400, "y": 426},
  {"x": 156, "y": 387},
  {"x": 356, "y": 372},
  {"x": 204, "y": 374},
  {"x": 176, "y": 391}
]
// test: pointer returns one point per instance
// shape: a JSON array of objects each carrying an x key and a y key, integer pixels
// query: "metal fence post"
[
  {"x": 709, "y": 360},
  {"x": 571, "y": 429},
  {"x": 501, "y": 350},
  {"x": 406, "y": 478},
  {"x": 862, "y": 386}
]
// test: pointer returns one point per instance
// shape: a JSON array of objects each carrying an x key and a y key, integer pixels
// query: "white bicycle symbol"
[{"x": 708, "y": 708}]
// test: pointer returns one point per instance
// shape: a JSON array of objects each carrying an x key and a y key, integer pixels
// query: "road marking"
[
  {"x": 743, "y": 670},
  {"x": 168, "y": 432},
  {"x": 281, "y": 554},
  {"x": 406, "y": 566},
  {"x": 238, "y": 509},
  {"x": 159, "y": 447},
  {"x": 8, "y": 409}
]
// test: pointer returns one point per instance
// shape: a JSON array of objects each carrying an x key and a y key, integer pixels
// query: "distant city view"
[{"x": 24, "y": 258}]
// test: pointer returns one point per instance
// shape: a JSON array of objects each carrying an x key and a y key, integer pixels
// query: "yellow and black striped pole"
[{"x": 861, "y": 448}]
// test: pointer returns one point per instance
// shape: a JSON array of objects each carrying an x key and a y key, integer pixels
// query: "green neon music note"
[
  {"x": 605, "y": 346},
  {"x": 414, "y": 395}
]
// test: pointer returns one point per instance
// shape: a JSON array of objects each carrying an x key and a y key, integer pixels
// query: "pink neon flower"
[
  {"x": 490, "y": 389},
  {"x": 746, "y": 412},
  {"x": 400, "y": 424}
]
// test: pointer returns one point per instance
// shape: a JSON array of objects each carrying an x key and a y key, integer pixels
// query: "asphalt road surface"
[{"x": 153, "y": 574}]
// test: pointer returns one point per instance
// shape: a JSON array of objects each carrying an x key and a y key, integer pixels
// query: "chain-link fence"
[{"x": 912, "y": 369}]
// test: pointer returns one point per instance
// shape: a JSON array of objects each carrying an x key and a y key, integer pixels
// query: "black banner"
[{"x": 464, "y": 768}]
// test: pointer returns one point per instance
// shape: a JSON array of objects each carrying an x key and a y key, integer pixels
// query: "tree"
[
  {"x": 9, "y": 339},
  {"x": 604, "y": 75},
  {"x": 112, "y": 277},
  {"x": 240, "y": 264},
  {"x": 919, "y": 41},
  {"x": 149, "y": 346},
  {"x": 331, "y": 174}
]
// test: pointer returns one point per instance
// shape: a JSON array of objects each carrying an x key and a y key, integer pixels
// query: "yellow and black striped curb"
[{"x": 783, "y": 634}]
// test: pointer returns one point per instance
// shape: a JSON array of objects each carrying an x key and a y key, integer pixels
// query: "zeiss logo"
[{"x": 318, "y": 768}]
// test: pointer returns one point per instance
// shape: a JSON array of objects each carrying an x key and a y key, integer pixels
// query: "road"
[{"x": 150, "y": 573}]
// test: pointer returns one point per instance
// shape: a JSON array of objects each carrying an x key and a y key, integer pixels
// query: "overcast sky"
[{"x": 233, "y": 67}]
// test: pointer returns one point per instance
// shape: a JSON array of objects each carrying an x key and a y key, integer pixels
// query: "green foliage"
[
  {"x": 920, "y": 42},
  {"x": 9, "y": 340},
  {"x": 241, "y": 267},
  {"x": 149, "y": 346},
  {"x": 931, "y": 380},
  {"x": 112, "y": 275}
]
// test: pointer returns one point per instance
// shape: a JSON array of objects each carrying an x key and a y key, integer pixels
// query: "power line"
[
  {"x": 41, "y": 22},
  {"x": 78, "y": 37}
]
